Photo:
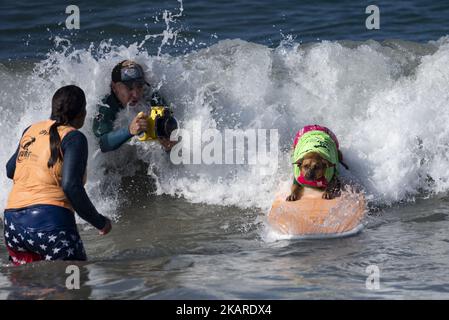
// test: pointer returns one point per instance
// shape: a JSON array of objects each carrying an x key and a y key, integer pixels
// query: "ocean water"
[{"x": 199, "y": 230}]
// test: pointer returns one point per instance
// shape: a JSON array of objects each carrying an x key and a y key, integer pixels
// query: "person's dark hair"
[{"x": 67, "y": 103}]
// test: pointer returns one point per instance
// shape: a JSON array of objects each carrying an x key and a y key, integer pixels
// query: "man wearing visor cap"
[{"x": 127, "y": 89}]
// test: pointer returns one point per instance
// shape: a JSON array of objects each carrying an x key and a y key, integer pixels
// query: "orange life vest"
[{"x": 34, "y": 182}]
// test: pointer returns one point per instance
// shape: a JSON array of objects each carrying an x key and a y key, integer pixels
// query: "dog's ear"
[
  {"x": 340, "y": 156},
  {"x": 340, "y": 159},
  {"x": 326, "y": 163},
  {"x": 298, "y": 162}
]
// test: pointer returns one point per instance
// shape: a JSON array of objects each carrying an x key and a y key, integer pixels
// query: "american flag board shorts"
[{"x": 25, "y": 244}]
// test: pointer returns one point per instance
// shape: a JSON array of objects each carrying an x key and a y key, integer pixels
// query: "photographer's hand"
[{"x": 138, "y": 124}]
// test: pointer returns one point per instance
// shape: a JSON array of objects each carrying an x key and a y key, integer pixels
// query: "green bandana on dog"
[{"x": 321, "y": 143}]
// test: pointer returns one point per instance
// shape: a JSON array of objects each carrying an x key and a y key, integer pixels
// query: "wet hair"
[{"x": 67, "y": 103}]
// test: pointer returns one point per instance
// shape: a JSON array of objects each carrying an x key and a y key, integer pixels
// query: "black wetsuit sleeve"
[
  {"x": 11, "y": 164},
  {"x": 113, "y": 140},
  {"x": 75, "y": 150},
  {"x": 103, "y": 128}
]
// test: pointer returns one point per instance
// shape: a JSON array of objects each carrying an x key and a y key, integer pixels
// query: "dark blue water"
[{"x": 27, "y": 28}]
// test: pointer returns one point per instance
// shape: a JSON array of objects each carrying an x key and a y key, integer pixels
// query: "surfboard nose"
[{"x": 312, "y": 215}]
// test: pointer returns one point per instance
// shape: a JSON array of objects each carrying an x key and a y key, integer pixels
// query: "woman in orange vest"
[{"x": 49, "y": 172}]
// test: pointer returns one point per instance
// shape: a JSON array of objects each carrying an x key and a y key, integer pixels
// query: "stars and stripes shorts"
[{"x": 25, "y": 244}]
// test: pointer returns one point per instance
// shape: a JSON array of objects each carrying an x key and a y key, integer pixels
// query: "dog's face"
[{"x": 313, "y": 166}]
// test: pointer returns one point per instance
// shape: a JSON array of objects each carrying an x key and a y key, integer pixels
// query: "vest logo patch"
[{"x": 24, "y": 154}]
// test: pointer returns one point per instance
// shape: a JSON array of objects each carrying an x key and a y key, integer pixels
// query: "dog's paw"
[
  {"x": 328, "y": 195},
  {"x": 331, "y": 194},
  {"x": 292, "y": 197}
]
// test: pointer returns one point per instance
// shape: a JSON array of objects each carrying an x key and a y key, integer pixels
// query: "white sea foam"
[{"x": 387, "y": 103}]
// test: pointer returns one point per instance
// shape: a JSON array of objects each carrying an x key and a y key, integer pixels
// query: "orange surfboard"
[{"x": 312, "y": 216}]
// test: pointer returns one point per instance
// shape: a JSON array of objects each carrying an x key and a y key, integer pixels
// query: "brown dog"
[{"x": 313, "y": 167}]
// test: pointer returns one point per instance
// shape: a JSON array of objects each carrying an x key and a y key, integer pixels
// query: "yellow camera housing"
[{"x": 156, "y": 112}]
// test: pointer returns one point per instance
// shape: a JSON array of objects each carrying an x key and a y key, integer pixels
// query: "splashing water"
[
  {"x": 385, "y": 101},
  {"x": 169, "y": 33}
]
